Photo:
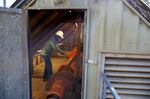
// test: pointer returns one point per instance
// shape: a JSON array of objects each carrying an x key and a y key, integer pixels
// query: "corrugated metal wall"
[
  {"x": 124, "y": 30},
  {"x": 113, "y": 27}
]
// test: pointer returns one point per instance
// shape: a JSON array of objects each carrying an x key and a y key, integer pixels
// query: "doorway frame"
[{"x": 86, "y": 39}]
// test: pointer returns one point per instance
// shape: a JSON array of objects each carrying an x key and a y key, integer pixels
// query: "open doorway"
[{"x": 65, "y": 82}]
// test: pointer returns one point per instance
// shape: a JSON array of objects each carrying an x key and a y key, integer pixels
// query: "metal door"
[{"x": 14, "y": 67}]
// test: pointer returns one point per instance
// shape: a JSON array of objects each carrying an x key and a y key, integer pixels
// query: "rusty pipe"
[
  {"x": 57, "y": 90},
  {"x": 64, "y": 79}
]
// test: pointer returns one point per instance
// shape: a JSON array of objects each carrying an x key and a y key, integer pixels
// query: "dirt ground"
[{"x": 38, "y": 85}]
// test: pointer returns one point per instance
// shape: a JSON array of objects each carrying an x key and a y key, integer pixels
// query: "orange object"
[
  {"x": 71, "y": 56},
  {"x": 65, "y": 79},
  {"x": 57, "y": 90},
  {"x": 73, "y": 53}
]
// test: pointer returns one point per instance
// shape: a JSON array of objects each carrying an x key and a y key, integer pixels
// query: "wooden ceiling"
[
  {"x": 44, "y": 23},
  {"x": 141, "y": 7}
]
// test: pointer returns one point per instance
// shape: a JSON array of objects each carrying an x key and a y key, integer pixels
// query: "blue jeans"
[{"x": 48, "y": 67}]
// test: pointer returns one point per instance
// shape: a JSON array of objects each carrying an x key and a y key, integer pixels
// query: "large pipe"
[
  {"x": 57, "y": 90},
  {"x": 65, "y": 79}
]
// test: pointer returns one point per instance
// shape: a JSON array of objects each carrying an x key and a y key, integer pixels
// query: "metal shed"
[{"x": 117, "y": 43}]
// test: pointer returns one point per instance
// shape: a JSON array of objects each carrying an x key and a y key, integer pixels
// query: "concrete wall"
[
  {"x": 113, "y": 27},
  {"x": 14, "y": 65}
]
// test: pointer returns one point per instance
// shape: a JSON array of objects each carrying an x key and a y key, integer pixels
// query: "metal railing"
[{"x": 108, "y": 85}]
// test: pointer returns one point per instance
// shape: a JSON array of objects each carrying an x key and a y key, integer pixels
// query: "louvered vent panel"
[{"x": 130, "y": 77}]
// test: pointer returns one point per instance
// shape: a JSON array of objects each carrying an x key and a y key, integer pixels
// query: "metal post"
[
  {"x": 4, "y": 2},
  {"x": 111, "y": 88}
]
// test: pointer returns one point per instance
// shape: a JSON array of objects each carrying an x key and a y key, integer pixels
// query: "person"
[{"x": 46, "y": 52}]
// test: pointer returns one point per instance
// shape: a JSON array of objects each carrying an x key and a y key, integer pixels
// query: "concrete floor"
[{"x": 38, "y": 85}]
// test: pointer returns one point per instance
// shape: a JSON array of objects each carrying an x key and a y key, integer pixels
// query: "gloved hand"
[{"x": 66, "y": 54}]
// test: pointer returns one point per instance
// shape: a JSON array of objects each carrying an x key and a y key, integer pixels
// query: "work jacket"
[{"x": 51, "y": 45}]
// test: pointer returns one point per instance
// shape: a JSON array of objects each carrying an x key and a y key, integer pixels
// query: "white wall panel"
[
  {"x": 113, "y": 25},
  {"x": 130, "y": 27},
  {"x": 144, "y": 38}
]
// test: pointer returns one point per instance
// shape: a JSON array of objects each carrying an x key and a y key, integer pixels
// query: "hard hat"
[{"x": 60, "y": 33}]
